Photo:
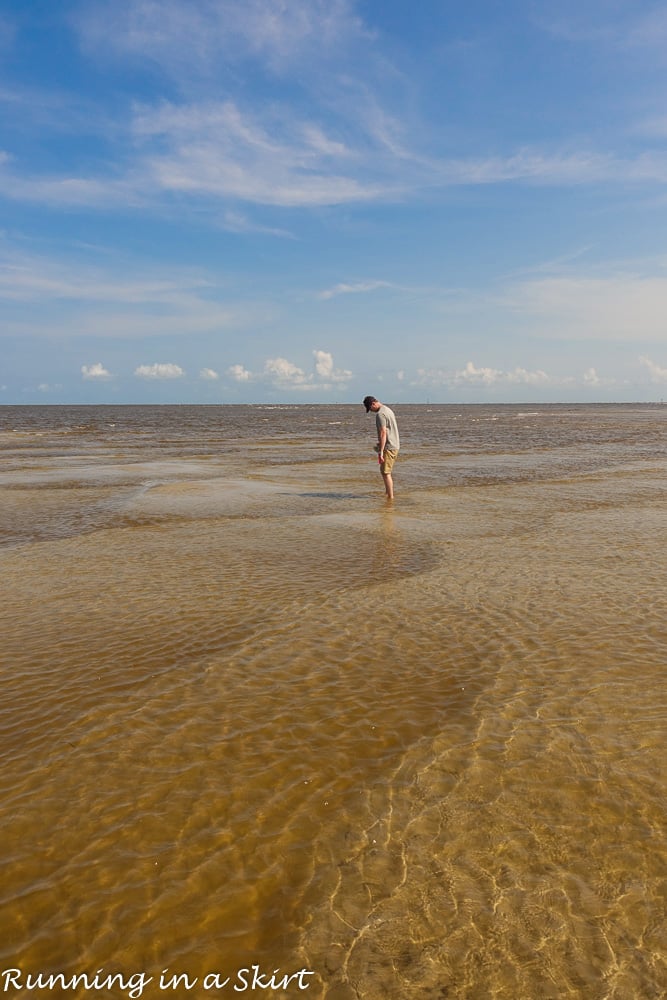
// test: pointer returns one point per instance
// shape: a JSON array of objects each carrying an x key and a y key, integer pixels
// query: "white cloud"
[
  {"x": 284, "y": 374},
  {"x": 209, "y": 375},
  {"x": 159, "y": 371},
  {"x": 471, "y": 375},
  {"x": 521, "y": 376},
  {"x": 324, "y": 367},
  {"x": 239, "y": 373},
  {"x": 432, "y": 377},
  {"x": 656, "y": 372},
  {"x": 485, "y": 377},
  {"x": 281, "y": 373},
  {"x": 95, "y": 372},
  {"x": 476, "y": 376}
]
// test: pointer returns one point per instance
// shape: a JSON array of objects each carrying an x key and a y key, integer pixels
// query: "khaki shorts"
[{"x": 390, "y": 457}]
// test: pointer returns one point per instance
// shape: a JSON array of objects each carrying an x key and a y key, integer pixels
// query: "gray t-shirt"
[{"x": 385, "y": 418}]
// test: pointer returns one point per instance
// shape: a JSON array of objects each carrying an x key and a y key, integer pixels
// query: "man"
[{"x": 388, "y": 440}]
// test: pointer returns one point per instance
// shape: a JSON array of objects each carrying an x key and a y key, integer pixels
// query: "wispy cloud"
[
  {"x": 182, "y": 139},
  {"x": 159, "y": 371},
  {"x": 7, "y": 32},
  {"x": 648, "y": 31},
  {"x": 308, "y": 153},
  {"x": 187, "y": 39},
  {"x": 224, "y": 151},
  {"x": 249, "y": 161},
  {"x": 356, "y": 288},
  {"x": 236, "y": 222},
  {"x": 32, "y": 277},
  {"x": 47, "y": 387},
  {"x": 311, "y": 145},
  {"x": 618, "y": 306},
  {"x": 101, "y": 190},
  {"x": 113, "y": 298},
  {"x": 618, "y": 26},
  {"x": 539, "y": 166}
]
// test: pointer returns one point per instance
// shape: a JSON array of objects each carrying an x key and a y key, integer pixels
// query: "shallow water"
[{"x": 255, "y": 715}]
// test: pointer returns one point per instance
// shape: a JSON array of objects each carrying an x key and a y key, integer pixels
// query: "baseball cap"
[{"x": 368, "y": 402}]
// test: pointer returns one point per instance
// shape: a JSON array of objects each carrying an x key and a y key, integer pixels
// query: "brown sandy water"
[{"x": 253, "y": 715}]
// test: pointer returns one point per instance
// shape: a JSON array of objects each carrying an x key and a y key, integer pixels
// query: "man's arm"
[{"x": 382, "y": 439}]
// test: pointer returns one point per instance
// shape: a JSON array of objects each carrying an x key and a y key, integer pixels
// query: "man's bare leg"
[{"x": 388, "y": 485}]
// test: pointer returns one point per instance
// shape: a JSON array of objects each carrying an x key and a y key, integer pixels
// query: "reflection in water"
[
  {"x": 415, "y": 748},
  {"x": 334, "y": 496},
  {"x": 393, "y": 551}
]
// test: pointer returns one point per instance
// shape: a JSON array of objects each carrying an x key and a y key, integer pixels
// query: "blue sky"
[{"x": 309, "y": 200}]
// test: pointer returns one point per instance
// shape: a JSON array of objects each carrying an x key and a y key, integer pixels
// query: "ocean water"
[{"x": 265, "y": 732}]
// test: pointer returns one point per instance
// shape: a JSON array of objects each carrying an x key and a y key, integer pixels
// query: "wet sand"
[{"x": 255, "y": 715}]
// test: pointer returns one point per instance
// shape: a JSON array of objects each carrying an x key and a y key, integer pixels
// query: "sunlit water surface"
[{"x": 254, "y": 715}]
